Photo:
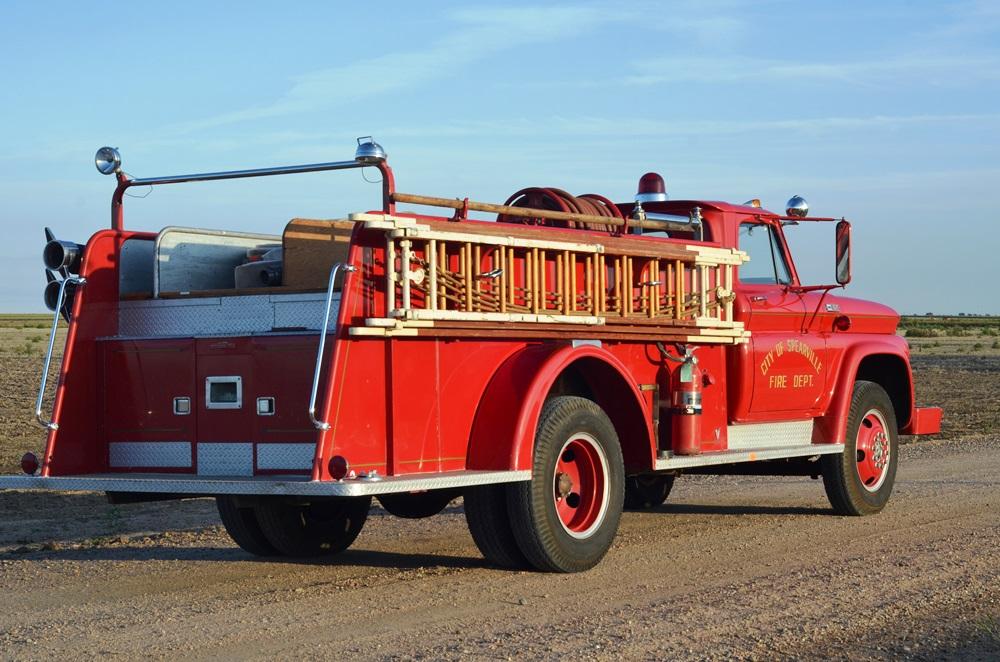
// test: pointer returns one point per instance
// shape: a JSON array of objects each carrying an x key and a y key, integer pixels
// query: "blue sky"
[{"x": 887, "y": 113}]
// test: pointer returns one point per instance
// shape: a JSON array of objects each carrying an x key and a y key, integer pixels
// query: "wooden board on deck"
[{"x": 311, "y": 248}]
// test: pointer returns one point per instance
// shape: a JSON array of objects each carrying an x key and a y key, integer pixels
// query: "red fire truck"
[{"x": 553, "y": 363}]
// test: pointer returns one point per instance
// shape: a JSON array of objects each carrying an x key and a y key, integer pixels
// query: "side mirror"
[{"x": 843, "y": 253}]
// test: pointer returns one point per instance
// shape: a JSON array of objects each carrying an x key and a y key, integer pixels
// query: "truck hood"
[{"x": 865, "y": 316}]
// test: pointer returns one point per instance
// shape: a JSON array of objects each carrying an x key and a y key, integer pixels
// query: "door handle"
[{"x": 758, "y": 298}]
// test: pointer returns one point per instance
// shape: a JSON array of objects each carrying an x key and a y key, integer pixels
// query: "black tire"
[
  {"x": 647, "y": 491},
  {"x": 489, "y": 524},
  {"x": 317, "y": 528},
  {"x": 854, "y": 481},
  {"x": 416, "y": 506},
  {"x": 242, "y": 526},
  {"x": 574, "y": 434}
]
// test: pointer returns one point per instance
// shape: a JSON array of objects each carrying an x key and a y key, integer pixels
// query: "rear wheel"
[
  {"x": 566, "y": 518},
  {"x": 242, "y": 526},
  {"x": 649, "y": 491},
  {"x": 410, "y": 505},
  {"x": 860, "y": 481},
  {"x": 317, "y": 528},
  {"x": 489, "y": 523}
]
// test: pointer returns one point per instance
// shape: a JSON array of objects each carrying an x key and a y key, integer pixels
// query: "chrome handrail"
[
  {"x": 50, "y": 424},
  {"x": 323, "y": 425},
  {"x": 240, "y": 174}
]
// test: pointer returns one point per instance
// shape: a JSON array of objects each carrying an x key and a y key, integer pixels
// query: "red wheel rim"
[
  {"x": 873, "y": 450},
  {"x": 580, "y": 485}
]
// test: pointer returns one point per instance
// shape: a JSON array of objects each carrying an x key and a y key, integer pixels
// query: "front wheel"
[
  {"x": 860, "y": 481},
  {"x": 315, "y": 528},
  {"x": 566, "y": 517},
  {"x": 645, "y": 492}
]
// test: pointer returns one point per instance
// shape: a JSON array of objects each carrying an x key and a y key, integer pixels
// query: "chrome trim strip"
[
  {"x": 733, "y": 457},
  {"x": 269, "y": 485}
]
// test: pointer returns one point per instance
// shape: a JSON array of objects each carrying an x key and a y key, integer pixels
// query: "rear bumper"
[
  {"x": 925, "y": 420},
  {"x": 270, "y": 485}
]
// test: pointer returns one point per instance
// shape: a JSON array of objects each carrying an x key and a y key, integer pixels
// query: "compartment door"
[
  {"x": 225, "y": 412},
  {"x": 285, "y": 438},
  {"x": 149, "y": 420}
]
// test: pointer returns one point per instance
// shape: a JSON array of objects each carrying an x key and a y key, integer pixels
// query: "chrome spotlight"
[
  {"x": 369, "y": 152},
  {"x": 108, "y": 160},
  {"x": 797, "y": 207}
]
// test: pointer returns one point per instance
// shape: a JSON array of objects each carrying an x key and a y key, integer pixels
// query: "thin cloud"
[
  {"x": 602, "y": 127},
  {"x": 735, "y": 69},
  {"x": 478, "y": 34}
]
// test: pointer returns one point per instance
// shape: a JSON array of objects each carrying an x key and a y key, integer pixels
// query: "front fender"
[{"x": 831, "y": 427}]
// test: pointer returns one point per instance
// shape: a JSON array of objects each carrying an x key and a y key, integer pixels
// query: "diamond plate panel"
[
  {"x": 736, "y": 456},
  {"x": 224, "y": 316},
  {"x": 149, "y": 454},
  {"x": 304, "y": 314},
  {"x": 770, "y": 435},
  {"x": 286, "y": 457},
  {"x": 225, "y": 459}
]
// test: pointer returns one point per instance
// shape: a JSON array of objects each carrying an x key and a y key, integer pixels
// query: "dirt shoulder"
[{"x": 752, "y": 568}]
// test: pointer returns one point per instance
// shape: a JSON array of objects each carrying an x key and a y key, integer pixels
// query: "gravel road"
[{"x": 731, "y": 567}]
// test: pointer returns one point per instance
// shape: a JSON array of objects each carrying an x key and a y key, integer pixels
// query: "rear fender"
[{"x": 503, "y": 432}]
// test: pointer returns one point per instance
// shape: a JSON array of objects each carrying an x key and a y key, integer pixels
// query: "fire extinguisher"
[{"x": 685, "y": 399}]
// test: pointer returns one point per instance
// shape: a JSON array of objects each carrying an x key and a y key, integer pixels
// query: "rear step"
[{"x": 269, "y": 485}]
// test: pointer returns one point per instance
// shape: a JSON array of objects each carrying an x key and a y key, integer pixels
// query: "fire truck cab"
[{"x": 555, "y": 363}]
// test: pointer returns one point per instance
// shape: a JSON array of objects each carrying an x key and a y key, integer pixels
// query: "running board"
[
  {"x": 264, "y": 485},
  {"x": 732, "y": 457}
]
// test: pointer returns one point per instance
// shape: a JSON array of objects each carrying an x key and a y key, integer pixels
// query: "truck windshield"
[{"x": 767, "y": 264}]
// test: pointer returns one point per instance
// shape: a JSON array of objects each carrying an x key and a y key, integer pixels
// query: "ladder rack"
[{"x": 512, "y": 278}]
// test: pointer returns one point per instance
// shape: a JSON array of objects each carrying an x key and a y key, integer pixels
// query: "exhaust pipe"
[{"x": 62, "y": 256}]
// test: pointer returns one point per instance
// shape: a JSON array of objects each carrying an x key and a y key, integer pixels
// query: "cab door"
[{"x": 785, "y": 362}]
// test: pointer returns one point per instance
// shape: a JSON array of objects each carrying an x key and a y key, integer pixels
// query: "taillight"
[
  {"x": 29, "y": 464},
  {"x": 338, "y": 467}
]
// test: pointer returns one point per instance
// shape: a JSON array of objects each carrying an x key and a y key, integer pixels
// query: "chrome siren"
[{"x": 797, "y": 207}]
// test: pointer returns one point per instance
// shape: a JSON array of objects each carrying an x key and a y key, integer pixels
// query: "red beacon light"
[{"x": 651, "y": 189}]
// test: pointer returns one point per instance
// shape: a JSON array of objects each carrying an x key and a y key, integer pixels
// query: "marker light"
[{"x": 651, "y": 189}]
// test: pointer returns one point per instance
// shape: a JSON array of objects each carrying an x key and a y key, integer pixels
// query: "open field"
[{"x": 744, "y": 567}]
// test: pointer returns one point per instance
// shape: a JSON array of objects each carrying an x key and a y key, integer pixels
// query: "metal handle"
[
  {"x": 49, "y": 424},
  {"x": 323, "y": 425}
]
